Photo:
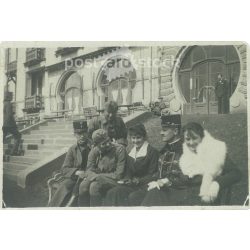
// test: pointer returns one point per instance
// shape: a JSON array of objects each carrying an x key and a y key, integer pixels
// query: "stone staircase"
[{"x": 38, "y": 144}]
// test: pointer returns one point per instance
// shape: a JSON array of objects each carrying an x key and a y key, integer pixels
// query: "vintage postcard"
[{"x": 124, "y": 125}]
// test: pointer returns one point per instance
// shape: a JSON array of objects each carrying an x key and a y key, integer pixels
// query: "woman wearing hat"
[
  {"x": 142, "y": 164},
  {"x": 74, "y": 165},
  {"x": 106, "y": 166}
]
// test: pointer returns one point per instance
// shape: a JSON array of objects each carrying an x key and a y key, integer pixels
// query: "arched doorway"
[
  {"x": 198, "y": 73},
  {"x": 70, "y": 92},
  {"x": 116, "y": 82}
]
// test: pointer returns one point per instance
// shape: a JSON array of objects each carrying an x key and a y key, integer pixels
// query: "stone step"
[
  {"x": 38, "y": 141},
  {"x": 53, "y": 146},
  {"x": 67, "y": 141},
  {"x": 51, "y": 131},
  {"x": 44, "y": 136},
  {"x": 56, "y": 127},
  {"x": 14, "y": 165},
  {"x": 23, "y": 159},
  {"x": 38, "y": 153},
  {"x": 60, "y": 125},
  {"x": 11, "y": 174}
]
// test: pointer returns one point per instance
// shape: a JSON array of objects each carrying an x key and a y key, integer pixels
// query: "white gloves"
[
  {"x": 158, "y": 184},
  {"x": 212, "y": 193}
]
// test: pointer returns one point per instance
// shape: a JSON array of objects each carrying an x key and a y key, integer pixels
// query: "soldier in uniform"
[
  {"x": 222, "y": 93},
  {"x": 110, "y": 122},
  {"x": 74, "y": 166},
  {"x": 106, "y": 165},
  {"x": 195, "y": 173},
  {"x": 9, "y": 123}
]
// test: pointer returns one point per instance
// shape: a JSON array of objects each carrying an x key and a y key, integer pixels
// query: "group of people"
[{"x": 193, "y": 168}]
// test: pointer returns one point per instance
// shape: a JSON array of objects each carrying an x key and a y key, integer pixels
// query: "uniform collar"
[{"x": 173, "y": 146}]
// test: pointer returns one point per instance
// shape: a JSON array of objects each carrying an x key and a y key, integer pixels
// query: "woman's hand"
[{"x": 212, "y": 193}]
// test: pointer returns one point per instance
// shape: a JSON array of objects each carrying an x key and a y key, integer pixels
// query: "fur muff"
[{"x": 207, "y": 162}]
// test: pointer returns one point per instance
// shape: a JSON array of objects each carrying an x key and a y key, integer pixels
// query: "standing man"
[
  {"x": 222, "y": 93},
  {"x": 74, "y": 166},
  {"x": 113, "y": 124},
  {"x": 9, "y": 123}
]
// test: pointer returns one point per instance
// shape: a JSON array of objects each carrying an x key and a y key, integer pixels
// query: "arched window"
[
  {"x": 117, "y": 81},
  {"x": 71, "y": 93}
]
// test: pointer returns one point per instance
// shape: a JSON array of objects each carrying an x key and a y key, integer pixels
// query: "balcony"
[
  {"x": 33, "y": 104},
  {"x": 34, "y": 56},
  {"x": 64, "y": 51},
  {"x": 11, "y": 68}
]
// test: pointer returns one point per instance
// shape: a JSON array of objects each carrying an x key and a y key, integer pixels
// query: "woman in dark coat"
[{"x": 142, "y": 164}]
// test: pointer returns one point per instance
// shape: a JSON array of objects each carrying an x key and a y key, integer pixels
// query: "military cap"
[
  {"x": 171, "y": 120},
  {"x": 99, "y": 136},
  {"x": 80, "y": 126}
]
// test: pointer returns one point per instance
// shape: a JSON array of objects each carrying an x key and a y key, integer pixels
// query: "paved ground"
[{"x": 230, "y": 128}]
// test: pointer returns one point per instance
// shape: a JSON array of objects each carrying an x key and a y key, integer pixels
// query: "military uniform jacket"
[
  {"x": 111, "y": 164},
  {"x": 76, "y": 159}
]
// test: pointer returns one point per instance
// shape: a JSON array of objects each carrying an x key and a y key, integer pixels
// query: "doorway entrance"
[{"x": 198, "y": 75}]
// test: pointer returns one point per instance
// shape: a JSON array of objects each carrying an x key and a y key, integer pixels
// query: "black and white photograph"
[{"x": 125, "y": 125}]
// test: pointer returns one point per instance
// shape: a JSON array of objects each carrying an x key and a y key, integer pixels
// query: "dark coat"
[
  {"x": 222, "y": 88},
  {"x": 74, "y": 160},
  {"x": 8, "y": 115},
  {"x": 116, "y": 129},
  {"x": 143, "y": 168}
]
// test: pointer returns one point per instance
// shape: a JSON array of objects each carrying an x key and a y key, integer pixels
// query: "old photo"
[{"x": 125, "y": 125}]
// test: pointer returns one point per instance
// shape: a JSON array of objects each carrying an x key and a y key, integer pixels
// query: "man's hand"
[
  {"x": 81, "y": 174},
  {"x": 164, "y": 182},
  {"x": 159, "y": 184},
  {"x": 152, "y": 185}
]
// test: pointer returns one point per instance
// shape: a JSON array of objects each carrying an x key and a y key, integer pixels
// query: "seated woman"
[
  {"x": 206, "y": 170},
  {"x": 74, "y": 165},
  {"x": 142, "y": 164}
]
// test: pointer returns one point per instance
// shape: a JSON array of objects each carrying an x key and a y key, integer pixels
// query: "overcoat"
[{"x": 76, "y": 159}]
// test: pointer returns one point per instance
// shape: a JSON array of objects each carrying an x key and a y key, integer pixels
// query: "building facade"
[{"x": 46, "y": 80}]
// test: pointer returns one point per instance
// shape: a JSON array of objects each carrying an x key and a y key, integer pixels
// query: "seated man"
[
  {"x": 113, "y": 124},
  {"x": 106, "y": 166},
  {"x": 74, "y": 165},
  {"x": 182, "y": 175}
]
